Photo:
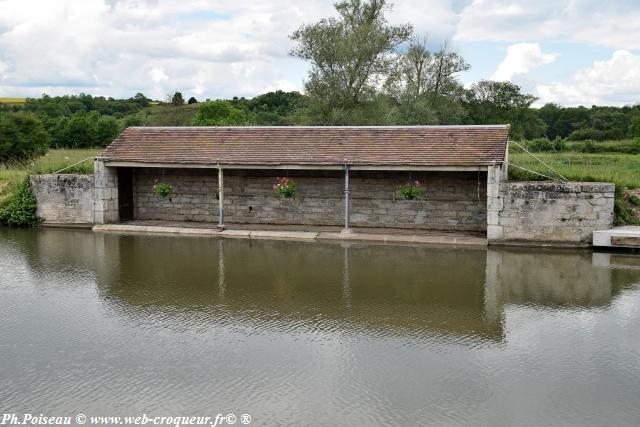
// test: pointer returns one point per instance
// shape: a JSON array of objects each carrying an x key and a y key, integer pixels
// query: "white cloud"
[
  {"x": 158, "y": 75},
  {"x": 520, "y": 59},
  {"x": 213, "y": 48},
  {"x": 614, "y": 25},
  {"x": 612, "y": 82},
  {"x": 435, "y": 19},
  {"x": 218, "y": 48},
  {"x": 209, "y": 47}
]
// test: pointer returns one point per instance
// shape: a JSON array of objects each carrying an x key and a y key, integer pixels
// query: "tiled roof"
[{"x": 312, "y": 146}]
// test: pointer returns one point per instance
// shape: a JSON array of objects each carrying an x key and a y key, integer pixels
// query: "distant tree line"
[{"x": 76, "y": 121}]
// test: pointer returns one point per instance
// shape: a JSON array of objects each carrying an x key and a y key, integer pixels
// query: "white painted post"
[{"x": 220, "y": 198}]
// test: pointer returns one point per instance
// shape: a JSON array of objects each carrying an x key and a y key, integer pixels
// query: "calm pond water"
[{"x": 317, "y": 334}]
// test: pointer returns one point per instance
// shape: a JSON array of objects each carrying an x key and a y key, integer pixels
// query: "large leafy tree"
[
  {"x": 634, "y": 126},
  {"x": 22, "y": 137},
  {"x": 426, "y": 86},
  {"x": 219, "y": 113},
  {"x": 422, "y": 72},
  {"x": 503, "y": 102},
  {"x": 177, "y": 99},
  {"x": 350, "y": 57},
  {"x": 84, "y": 130}
]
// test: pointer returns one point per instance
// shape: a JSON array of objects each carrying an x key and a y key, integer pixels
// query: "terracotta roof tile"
[{"x": 312, "y": 146}]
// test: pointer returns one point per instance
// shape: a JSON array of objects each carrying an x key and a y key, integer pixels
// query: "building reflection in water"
[{"x": 423, "y": 291}]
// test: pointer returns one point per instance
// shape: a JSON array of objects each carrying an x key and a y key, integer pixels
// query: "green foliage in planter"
[
  {"x": 162, "y": 189},
  {"x": 285, "y": 188},
  {"x": 411, "y": 191},
  {"x": 20, "y": 208}
]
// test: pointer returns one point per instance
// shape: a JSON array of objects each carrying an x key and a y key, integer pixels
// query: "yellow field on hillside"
[{"x": 9, "y": 100}]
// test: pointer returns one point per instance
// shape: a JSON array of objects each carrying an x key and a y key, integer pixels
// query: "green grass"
[
  {"x": 13, "y": 174},
  {"x": 621, "y": 169},
  {"x": 626, "y": 146}
]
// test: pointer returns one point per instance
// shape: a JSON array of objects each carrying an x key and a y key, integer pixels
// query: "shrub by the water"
[
  {"x": 20, "y": 208},
  {"x": 633, "y": 199},
  {"x": 623, "y": 207}
]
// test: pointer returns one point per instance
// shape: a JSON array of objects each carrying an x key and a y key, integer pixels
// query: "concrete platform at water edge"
[
  {"x": 627, "y": 237},
  {"x": 379, "y": 236}
]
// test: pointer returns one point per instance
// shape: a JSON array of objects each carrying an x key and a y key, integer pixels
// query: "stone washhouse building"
[
  {"x": 347, "y": 179},
  {"x": 345, "y": 176}
]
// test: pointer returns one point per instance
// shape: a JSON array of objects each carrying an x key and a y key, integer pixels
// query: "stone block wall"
[
  {"x": 193, "y": 196},
  {"x": 510, "y": 212},
  {"x": 454, "y": 200},
  {"x": 64, "y": 198},
  {"x": 106, "y": 193},
  {"x": 552, "y": 212}
]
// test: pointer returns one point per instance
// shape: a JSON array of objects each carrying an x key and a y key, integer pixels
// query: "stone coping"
[{"x": 379, "y": 238}]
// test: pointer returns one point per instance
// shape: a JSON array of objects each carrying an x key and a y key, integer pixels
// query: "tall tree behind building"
[{"x": 350, "y": 57}]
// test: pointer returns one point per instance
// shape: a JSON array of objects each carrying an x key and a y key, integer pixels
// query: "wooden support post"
[{"x": 220, "y": 199}]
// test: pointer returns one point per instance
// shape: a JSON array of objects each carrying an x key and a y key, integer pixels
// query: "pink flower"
[
  {"x": 417, "y": 182},
  {"x": 274, "y": 186}
]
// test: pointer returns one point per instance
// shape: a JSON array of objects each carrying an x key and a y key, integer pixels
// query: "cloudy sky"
[{"x": 570, "y": 52}]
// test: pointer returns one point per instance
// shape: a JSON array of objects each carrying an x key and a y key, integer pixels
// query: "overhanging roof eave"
[{"x": 300, "y": 166}]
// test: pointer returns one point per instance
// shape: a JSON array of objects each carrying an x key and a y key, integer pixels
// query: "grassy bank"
[
  {"x": 11, "y": 175},
  {"x": 621, "y": 169}
]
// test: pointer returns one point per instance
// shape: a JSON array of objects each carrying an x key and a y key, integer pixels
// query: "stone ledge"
[
  {"x": 296, "y": 235},
  {"x": 559, "y": 187}
]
